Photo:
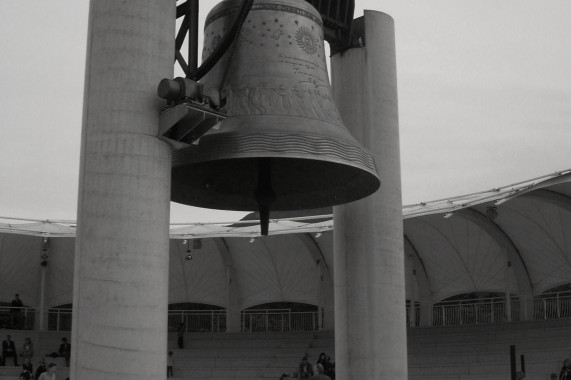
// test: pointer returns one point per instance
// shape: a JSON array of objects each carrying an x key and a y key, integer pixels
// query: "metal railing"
[
  {"x": 413, "y": 315},
  {"x": 197, "y": 320},
  {"x": 552, "y": 306},
  {"x": 283, "y": 320},
  {"x": 59, "y": 319},
  {"x": 446, "y": 313},
  {"x": 474, "y": 312},
  {"x": 22, "y": 318}
]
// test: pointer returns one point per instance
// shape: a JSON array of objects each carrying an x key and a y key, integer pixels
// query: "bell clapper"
[{"x": 264, "y": 194}]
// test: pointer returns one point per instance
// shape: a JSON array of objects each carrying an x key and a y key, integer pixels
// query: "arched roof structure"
[{"x": 515, "y": 238}]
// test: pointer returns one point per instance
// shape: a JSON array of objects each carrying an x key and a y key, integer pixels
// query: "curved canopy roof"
[{"x": 514, "y": 238}]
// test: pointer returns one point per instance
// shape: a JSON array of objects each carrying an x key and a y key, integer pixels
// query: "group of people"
[
  {"x": 43, "y": 371},
  {"x": 323, "y": 369}
]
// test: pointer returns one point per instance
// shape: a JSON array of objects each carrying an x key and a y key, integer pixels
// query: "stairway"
[{"x": 250, "y": 356}]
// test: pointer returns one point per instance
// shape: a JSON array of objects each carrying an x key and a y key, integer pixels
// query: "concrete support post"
[
  {"x": 121, "y": 263},
  {"x": 233, "y": 320},
  {"x": 426, "y": 313},
  {"x": 43, "y": 314},
  {"x": 508, "y": 302},
  {"x": 369, "y": 280},
  {"x": 526, "y": 307},
  {"x": 233, "y": 309},
  {"x": 327, "y": 312}
]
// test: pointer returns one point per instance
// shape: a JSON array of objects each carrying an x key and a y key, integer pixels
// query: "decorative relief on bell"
[
  {"x": 279, "y": 100},
  {"x": 306, "y": 40}
]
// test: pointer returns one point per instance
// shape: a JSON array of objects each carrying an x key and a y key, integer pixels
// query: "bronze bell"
[{"x": 283, "y": 145}]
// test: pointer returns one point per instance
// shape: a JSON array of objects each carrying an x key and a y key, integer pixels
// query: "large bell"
[{"x": 283, "y": 145}]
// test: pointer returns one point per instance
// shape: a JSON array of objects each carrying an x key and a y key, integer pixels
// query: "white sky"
[{"x": 484, "y": 98}]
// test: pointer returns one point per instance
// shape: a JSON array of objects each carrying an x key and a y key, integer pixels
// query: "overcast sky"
[{"x": 484, "y": 98}]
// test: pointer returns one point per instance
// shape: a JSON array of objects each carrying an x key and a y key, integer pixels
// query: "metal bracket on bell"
[
  {"x": 186, "y": 123},
  {"x": 189, "y": 115}
]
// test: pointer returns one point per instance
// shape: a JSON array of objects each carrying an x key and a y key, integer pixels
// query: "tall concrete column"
[
  {"x": 369, "y": 280},
  {"x": 328, "y": 316},
  {"x": 43, "y": 313},
  {"x": 426, "y": 313},
  {"x": 233, "y": 307},
  {"x": 121, "y": 262}
]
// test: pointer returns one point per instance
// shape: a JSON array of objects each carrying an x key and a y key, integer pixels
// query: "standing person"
[
  {"x": 16, "y": 312},
  {"x": 170, "y": 364},
  {"x": 319, "y": 375},
  {"x": 50, "y": 373},
  {"x": 565, "y": 373},
  {"x": 9, "y": 349},
  {"x": 180, "y": 334},
  {"x": 65, "y": 350}
]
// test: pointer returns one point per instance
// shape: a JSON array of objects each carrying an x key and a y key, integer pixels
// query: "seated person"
[
  {"x": 319, "y": 375},
  {"x": 25, "y": 374},
  {"x": 27, "y": 349},
  {"x": 50, "y": 373},
  {"x": 305, "y": 370},
  {"x": 41, "y": 368}
]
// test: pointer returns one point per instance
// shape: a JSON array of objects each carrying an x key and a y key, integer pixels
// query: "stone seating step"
[
  {"x": 234, "y": 373},
  {"x": 13, "y": 372},
  {"x": 235, "y": 362}
]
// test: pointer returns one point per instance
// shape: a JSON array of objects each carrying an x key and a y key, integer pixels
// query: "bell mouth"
[
  {"x": 226, "y": 174},
  {"x": 231, "y": 184}
]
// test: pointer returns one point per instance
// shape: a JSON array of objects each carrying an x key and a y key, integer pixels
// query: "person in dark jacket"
[
  {"x": 41, "y": 368},
  {"x": 65, "y": 350},
  {"x": 565, "y": 373},
  {"x": 305, "y": 370},
  {"x": 9, "y": 349}
]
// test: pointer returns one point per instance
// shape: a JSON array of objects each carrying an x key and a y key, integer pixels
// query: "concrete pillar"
[
  {"x": 121, "y": 263},
  {"x": 426, "y": 313},
  {"x": 43, "y": 312},
  {"x": 508, "y": 302},
  {"x": 327, "y": 312},
  {"x": 369, "y": 280},
  {"x": 526, "y": 307},
  {"x": 233, "y": 309},
  {"x": 233, "y": 305}
]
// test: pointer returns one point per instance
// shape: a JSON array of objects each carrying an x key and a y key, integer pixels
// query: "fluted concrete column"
[
  {"x": 121, "y": 263},
  {"x": 370, "y": 314}
]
